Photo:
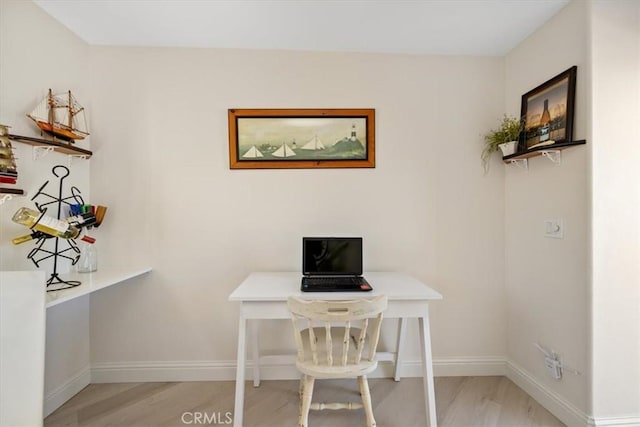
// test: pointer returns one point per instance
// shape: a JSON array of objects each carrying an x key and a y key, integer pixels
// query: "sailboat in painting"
[
  {"x": 253, "y": 153},
  {"x": 284, "y": 151},
  {"x": 61, "y": 116},
  {"x": 314, "y": 144}
]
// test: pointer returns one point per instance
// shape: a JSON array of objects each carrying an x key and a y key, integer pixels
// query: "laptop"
[{"x": 332, "y": 264}]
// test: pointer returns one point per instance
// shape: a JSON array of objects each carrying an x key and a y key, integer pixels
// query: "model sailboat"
[
  {"x": 8, "y": 169},
  {"x": 61, "y": 116}
]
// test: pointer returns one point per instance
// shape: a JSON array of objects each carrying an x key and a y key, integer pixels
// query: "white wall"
[
  {"x": 161, "y": 119},
  {"x": 159, "y": 136},
  {"x": 547, "y": 280},
  {"x": 37, "y": 53},
  {"x": 615, "y": 28}
]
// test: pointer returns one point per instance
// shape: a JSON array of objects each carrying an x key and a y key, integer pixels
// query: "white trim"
[
  {"x": 152, "y": 371},
  {"x": 58, "y": 396},
  {"x": 553, "y": 402},
  {"x": 226, "y": 370},
  {"x": 631, "y": 421},
  {"x": 270, "y": 370},
  {"x": 468, "y": 366}
]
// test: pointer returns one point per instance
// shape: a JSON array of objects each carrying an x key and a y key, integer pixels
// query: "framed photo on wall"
[
  {"x": 301, "y": 138},
  {"x": 547, "y": 111}
]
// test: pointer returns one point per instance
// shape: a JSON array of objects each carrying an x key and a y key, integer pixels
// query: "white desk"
[
  {"x": 92, "y": 282},
  {"x": 264, "y": 296}
]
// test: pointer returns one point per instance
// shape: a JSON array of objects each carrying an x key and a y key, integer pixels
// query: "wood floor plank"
[{"x": 460, "y": 402}]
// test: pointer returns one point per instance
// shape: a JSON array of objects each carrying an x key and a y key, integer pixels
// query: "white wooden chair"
[{"x": 331, "y": 337}]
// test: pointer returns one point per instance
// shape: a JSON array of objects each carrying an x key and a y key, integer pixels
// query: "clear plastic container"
[{"x": 88, "y": 261}]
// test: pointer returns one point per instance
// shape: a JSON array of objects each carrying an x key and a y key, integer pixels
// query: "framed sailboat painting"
[{"x": 301, "y": 138}]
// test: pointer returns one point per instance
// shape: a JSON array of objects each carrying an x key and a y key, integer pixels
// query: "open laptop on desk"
[{"x": 332, "y": 264}]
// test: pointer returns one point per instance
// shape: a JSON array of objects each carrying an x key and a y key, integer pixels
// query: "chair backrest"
[{"x": 349, "y": 323}]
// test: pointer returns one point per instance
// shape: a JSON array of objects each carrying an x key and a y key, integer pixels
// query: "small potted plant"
[{"x": 504, "y": 137}]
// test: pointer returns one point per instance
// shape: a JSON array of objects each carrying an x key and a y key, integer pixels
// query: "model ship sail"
[
  {"x": 8, "y": 169},
  {"x": 61, "y": 116}
]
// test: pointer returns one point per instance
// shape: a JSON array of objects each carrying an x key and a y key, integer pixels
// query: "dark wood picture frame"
[
  {"x": 301, "y": 138},
  {"x": 547, "y": 112}
]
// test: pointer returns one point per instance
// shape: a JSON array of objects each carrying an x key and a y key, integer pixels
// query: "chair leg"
[
  {"x": 301, "y": 390},
  {"x": 307, "y": 394},
  {"x": 366, "y": 400}
]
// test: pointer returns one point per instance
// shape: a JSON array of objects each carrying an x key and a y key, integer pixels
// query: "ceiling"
[{"x": 448, "y": 27}]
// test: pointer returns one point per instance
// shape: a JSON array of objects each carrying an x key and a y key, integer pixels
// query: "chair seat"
[{"x": 337, "y": 370}]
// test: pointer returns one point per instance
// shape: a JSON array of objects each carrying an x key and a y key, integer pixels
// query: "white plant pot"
[{"x": 508, "y": 148}]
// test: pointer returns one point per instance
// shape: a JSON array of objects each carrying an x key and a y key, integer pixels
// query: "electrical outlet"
[{"x": 554, "y": 367}]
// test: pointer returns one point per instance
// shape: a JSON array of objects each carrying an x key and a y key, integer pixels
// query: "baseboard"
[
  {"x": 632, "y": 421},
  {"x": 185, "y": 371},
  {"x": 66, "y": 391},
  {"x": 466, "y": 367},
  {"x": 151, "y": 371},
  {"x": 554, "y": 403},
  {"x": 226, "y": 370}
]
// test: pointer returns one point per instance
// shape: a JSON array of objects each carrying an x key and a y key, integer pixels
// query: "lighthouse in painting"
[{"x": 353, "y": 132}]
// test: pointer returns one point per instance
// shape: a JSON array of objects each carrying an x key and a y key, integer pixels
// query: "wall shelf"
[
  {"x": 7, "y": 194},
  {"x": 549, "y": 151},
  {"x": 14, "y": 191},
  {"x": 60, "y": 147},
  {"x": 92, "y": 282}
]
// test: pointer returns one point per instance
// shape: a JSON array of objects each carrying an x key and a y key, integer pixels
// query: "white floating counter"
[{"x": 91, "y": 282}]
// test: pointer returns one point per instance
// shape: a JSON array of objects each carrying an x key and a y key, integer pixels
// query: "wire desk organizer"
[{"x": 71, "y": 252}]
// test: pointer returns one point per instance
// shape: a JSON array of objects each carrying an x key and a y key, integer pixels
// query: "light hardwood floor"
[{"x": 460, "y": 401}]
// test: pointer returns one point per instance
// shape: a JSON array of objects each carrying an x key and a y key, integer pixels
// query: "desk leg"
[
  {"x": 238, "y": 411},
  {"x": 427, "y": 371},
  {"x": 255, "y": 352},
  {"x": 402, "y": 327}
]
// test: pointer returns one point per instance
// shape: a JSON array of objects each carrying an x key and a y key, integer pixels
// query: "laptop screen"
[{"x": 332, "y": 256}]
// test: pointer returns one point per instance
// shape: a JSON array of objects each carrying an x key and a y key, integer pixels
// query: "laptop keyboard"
[{"x": 334, "y": 283}]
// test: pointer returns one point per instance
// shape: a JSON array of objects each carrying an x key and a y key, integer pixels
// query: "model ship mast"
[{"x": 61, "y": 116}]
